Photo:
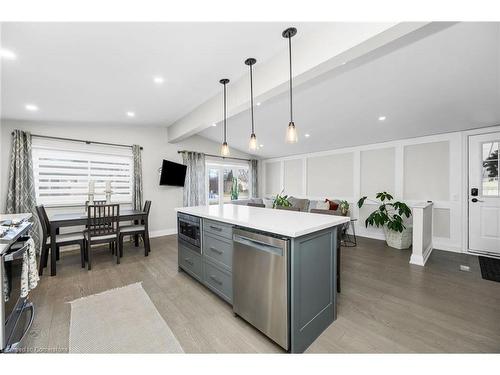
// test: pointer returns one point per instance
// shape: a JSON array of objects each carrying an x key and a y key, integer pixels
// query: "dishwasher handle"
[{"x": 256, "y": 244}]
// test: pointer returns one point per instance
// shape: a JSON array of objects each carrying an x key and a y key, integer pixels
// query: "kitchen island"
[{"x": 276, "y": 267}]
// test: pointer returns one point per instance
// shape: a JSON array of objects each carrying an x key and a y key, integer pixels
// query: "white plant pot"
[{"x": 399, "y": 240}]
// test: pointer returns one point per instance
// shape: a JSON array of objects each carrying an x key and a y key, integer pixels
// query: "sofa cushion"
[{"x": 301, "y": 204}]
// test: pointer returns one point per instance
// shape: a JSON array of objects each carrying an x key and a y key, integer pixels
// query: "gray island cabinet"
[{"x": 283, "y": 280}]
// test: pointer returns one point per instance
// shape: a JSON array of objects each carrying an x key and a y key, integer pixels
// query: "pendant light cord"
[
  {"x": 225, "y": 113},
  {"x": 251, "y": 97},
  {"x": 290, "y": 58}
]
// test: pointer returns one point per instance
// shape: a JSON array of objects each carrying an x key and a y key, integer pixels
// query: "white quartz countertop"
[{"x": 282, "y": 222}]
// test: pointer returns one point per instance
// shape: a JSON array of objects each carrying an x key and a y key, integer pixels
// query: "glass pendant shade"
[
  {"x": 252, "y": 145},
  {"x": 224, "y": 150},
  {"x": 291, "y": 133}
]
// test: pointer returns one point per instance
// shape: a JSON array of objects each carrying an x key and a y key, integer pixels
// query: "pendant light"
[
  {"x": 252, "y": 145},
  {"x": 224, "y": 150},
  {"x": 291, "y": 133}
]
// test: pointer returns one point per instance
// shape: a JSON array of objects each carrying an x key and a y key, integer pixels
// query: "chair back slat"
[
  {"x": 103, "y": 219},
  {"x": 42, "y": 216}
]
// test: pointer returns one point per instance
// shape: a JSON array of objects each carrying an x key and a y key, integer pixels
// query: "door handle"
[
  {"x": 475, "y": 200},
  {"x": 218, "y": 229}
]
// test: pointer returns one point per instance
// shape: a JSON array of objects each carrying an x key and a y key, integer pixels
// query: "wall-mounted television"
[{"x": 172, "y": 174}]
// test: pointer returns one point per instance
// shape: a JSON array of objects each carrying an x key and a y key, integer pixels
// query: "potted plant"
[
  {"x": 344, "y": 208},
  {"x": 281, "y": 201},
  {"x": 389, "y": 215}
]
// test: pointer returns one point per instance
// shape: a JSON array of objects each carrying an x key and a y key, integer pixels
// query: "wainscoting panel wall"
[
  {"x": 293, "y": 176},
  {"x": 378, "y": 171},
  {"x": 330, "y": 174},
  {"x": 432, "y": 161},
  {"x": 272, "y": 180},
  {"x": 417, "y": 169}
]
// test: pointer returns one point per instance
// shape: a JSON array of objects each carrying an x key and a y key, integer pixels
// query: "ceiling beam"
[{"x": 335, "y": 48}]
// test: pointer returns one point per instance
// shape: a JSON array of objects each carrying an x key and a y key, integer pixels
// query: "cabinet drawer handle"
[
  {"x": 220, "y": 252},
  {"x": 188, "y": 261},
  {"x": 216, "y": 279},
  {"x": 216, "y": 228}
]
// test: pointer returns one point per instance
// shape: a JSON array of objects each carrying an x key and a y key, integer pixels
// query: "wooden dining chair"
[
  {"x": 65, "y": 239},
  {"x": 339, "y": 239},
  {"x": 261, "y": 205},
  {"x": 102, "y": 227},
  {"x": 140, "y": 229}
]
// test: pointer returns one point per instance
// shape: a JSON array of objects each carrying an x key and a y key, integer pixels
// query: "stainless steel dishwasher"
[{"x": 260, "y": 283}]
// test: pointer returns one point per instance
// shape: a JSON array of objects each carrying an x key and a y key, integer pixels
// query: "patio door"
[{"x": 484, "y": 194}]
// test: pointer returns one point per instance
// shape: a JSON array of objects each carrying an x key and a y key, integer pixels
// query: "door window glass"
[{"x": 489, "y": 178}]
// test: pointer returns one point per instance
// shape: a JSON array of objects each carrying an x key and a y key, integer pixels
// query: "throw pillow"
[
  {"x": 322, "y": 205},
  {"x": 268, "y": 203},
  {"x": 333, "y": 205}
]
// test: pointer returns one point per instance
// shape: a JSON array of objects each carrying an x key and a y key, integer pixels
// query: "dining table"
[{"x": 58, "y": 221}]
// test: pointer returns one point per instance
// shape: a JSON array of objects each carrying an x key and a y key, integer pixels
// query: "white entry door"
[{"x": 484, "y": 193}]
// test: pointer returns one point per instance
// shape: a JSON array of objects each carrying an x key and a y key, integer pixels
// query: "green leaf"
[{"x": 361, "y": 201}]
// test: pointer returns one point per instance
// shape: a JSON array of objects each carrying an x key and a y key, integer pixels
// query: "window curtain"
[
  {"x": 255, "y": 177},
  {"x": 137, "y": 192},
  {"x": 21, "y": 186},
  {"x": 194, "y": 186}
]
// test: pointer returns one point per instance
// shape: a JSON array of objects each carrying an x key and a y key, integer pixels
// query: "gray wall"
[{"x": 156, "y": 148}]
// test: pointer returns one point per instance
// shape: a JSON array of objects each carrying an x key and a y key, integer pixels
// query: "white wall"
[
  {"x": 418, "y": 169},
  {"x": 156, "y": 148}
]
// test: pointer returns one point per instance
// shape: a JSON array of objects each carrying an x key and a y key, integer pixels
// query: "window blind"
[{"x": 62, "y": 171}]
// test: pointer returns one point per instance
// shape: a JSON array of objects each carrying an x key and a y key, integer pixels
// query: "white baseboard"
[
  {"x": 162, "y": 232},
  {"x": 438, "y": 244}
]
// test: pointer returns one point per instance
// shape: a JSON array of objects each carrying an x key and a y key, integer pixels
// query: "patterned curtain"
[
  {"x": 194, "y": 186},
  {"x": 137, "y": 189},
  {"x": 255, "y": 178},
  {"x": 21, "y": 191}
]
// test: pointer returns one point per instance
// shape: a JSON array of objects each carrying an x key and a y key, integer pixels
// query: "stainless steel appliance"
[
  {"x": 188, "y": 230},
  {"x": 16, "y": 312},
  {"x": 260, "y": 283}
]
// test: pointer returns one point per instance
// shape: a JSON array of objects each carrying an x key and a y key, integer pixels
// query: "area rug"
[
  {"x": 490, "y": 268},
  {"x": 122, "y": 320}
]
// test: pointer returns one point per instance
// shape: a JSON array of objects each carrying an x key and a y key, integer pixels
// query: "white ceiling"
[
  {"x": 99, "y": 71},
  {"x": 444, "y": 82}
]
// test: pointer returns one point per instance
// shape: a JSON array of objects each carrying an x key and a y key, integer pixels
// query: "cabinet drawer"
[
  {"x": 219, "y": 250},
  {"x": 190, "y": 261},
  {"x": 220, "y": 229},
  {"x": 219, "y": 281}
]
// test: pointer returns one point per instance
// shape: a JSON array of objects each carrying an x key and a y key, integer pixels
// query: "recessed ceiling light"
[
  {"x": 31, "y": 107},
  {"x": 258, "y": 103},
  {"x": 214, "y": 124},
  {"x": 345, "y": 62},
  {"x": 382, "y": 118},
  {"x": 131, "y": 114},
  {"x": 261, "y": 146},
  {"x": 307, "y": 135},
  {"x": 7, "y": 54},
  {"x": 158, "y": 80}
]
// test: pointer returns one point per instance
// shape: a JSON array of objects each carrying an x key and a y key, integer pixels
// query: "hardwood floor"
[{"x": 386, "y": 305}]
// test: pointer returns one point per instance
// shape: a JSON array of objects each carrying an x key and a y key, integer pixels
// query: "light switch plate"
[{"x": 464, "y": 268}]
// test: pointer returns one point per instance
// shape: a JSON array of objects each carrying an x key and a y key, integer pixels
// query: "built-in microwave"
[{"x": 188, "y": 230}]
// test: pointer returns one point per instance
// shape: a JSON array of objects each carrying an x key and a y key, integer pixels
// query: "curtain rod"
[
  {"x": 80, "y": 140},
  {"x": 214, "y": 156}
]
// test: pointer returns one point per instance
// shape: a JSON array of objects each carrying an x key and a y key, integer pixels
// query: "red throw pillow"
[{"x": 333, "y": 205}]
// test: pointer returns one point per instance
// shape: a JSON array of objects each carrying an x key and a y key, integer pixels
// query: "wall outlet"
[{"x": 464, "y": 268}]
